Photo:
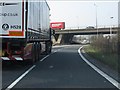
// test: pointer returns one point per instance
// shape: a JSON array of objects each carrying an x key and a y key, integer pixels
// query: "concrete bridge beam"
[
  {"x": 62, "y": 39},
  {"x": 56, "y": 39}
]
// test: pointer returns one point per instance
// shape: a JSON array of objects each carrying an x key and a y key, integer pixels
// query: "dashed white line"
[
  {"x": 17, "y": 80},
  {"x": 44, "y": 58},
  {"x": 110, "y": 79},
  {"x": 24, "y": 74},
  {"x": 56, "y": 51},
  {"x": 49, "y": 55}
]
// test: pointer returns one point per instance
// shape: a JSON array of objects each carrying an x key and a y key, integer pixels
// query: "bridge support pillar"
[
  {"x": 57, "y": 39},
  {"x": 62, "y": 39},
  {"x": 67, "y": 38}
]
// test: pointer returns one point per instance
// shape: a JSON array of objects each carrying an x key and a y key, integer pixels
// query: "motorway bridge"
[
  {"x": 66, "y": 35},
  {"x": 87, "y": 31}
]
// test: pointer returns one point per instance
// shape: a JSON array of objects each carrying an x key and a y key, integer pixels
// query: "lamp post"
[
  {"x": 111, "y": 28},
  {"x": 77, "y": 19},
  {"x": 96, "y": 19}
]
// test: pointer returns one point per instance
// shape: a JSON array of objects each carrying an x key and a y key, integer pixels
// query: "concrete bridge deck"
[{"x": 88, "y": 31}]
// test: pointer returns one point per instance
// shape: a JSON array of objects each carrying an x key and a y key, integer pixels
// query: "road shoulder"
[{"x": 114, "y": 74}]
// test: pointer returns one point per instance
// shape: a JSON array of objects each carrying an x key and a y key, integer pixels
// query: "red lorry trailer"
[
  {"x": 24, "y": 30},
  {"x": 57, "y": 25}
]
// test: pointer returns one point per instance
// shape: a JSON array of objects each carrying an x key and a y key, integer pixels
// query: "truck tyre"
[
  {"x": 38, "y": 51},
  {"x": 33, "y": 55},
  {"x": 48, "y": 47}
]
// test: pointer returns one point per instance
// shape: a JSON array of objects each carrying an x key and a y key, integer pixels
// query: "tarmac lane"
[{"x": 64, "y": 68}]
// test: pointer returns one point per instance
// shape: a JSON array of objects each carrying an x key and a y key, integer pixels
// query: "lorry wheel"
[
  {"x": 33, "y": 55},
  {"x": 38, "y": 51},
  {"x": 48, "y": 47}
]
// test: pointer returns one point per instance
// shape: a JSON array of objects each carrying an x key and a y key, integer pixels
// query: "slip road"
[{"x": 64, "y": 68}]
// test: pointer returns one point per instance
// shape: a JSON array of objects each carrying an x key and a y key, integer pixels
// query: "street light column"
[
  {"x": 96, "y": 19},
  {"x": 111, "y": 29}
]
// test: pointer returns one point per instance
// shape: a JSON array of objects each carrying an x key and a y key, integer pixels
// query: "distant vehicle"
[
  {"x": 90, "y": 27},
  {"x": 25, "y": 30},
  {"x": 57, "y": 25}
]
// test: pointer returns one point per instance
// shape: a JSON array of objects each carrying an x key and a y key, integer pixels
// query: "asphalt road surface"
[{"x": 64, "y": 68}]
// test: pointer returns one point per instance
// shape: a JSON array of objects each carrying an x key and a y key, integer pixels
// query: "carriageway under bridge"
[{"x": 65, "y": 36}]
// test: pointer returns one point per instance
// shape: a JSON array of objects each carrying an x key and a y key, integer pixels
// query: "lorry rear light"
[{"x": 15, "y": 33}]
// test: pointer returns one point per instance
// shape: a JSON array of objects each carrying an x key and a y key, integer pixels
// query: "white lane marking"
[
  {"x": 61, "y": 47},
  {"x": 58, "y": 46},
  {"x": 23, "y": 75},
  {"x": 17, "y": 80},
  {"x": 44, "y": 58},
  {"x": 56, "y": 51},
  {"x": 110, "y": 79},
  {"x": 49, "y": 55}
]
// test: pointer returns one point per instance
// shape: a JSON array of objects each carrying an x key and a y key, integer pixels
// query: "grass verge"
[{"x": 109, "y": 59}]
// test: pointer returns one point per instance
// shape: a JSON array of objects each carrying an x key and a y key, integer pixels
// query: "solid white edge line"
[
  {"x": 17, "y": 80},
  {"x": 110, "y": 79}
]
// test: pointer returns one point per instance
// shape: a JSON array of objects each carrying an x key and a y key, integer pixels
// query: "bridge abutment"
[{"x": 62, "y": 39}]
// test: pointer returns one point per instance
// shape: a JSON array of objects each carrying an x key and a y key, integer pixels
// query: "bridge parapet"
[{"x": 88, "y": 31}]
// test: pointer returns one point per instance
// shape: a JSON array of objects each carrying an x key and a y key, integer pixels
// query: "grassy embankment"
[{"x": 106, "y": 58}]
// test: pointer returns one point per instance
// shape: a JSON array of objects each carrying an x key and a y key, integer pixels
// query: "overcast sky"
[{"x": 83, "y": 13}]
